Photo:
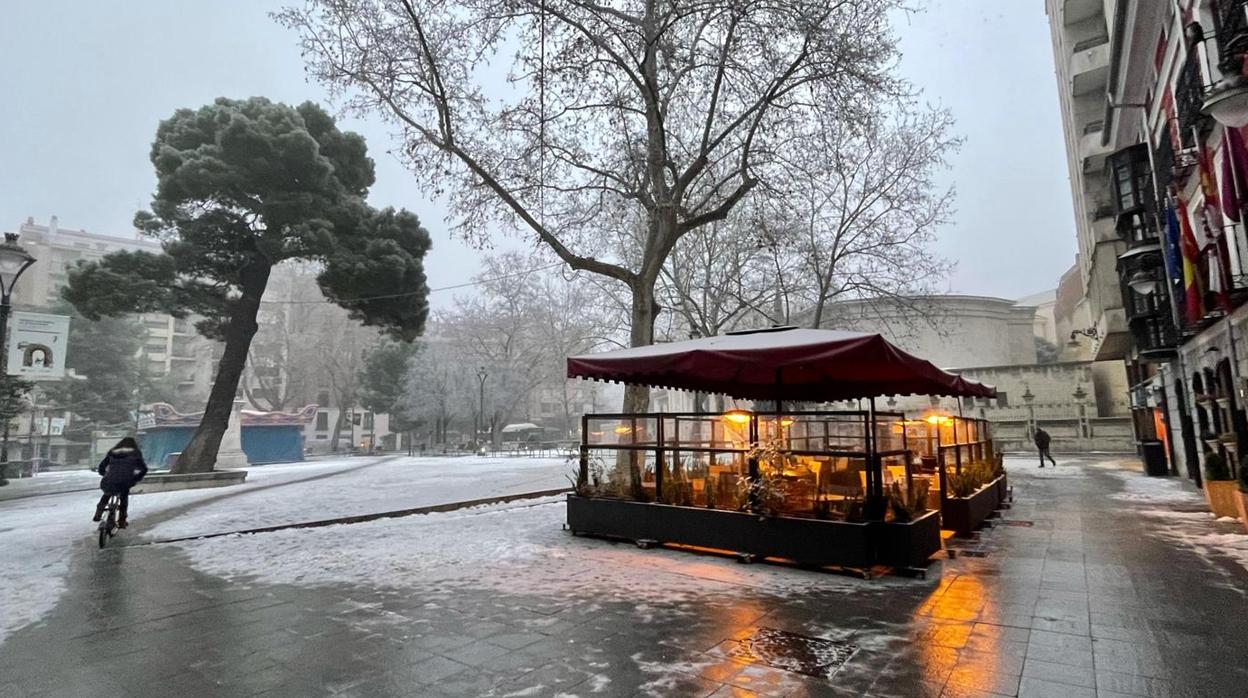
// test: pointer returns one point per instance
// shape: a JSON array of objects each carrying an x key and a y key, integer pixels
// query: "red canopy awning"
[{"x": 779, "y": 364}]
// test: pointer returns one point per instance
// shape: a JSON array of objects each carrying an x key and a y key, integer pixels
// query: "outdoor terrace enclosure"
[{"x": 847, "y": 488}]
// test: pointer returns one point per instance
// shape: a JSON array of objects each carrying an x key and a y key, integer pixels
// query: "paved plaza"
[{"x": 1099, "y": 582}]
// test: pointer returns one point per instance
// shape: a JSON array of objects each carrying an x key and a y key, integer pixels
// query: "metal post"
[
  {"x": 476, "y": 436},
  {"x": 940, "y": 466},
  {"x": 4, "y": 375},
  {"x": 905, "y": 447},
  {"x": 582, "y": 473},
  {"x": 875, "y": 467},
  {"x": 751, "y": 464},
  {"x": 659, "y": 462}
]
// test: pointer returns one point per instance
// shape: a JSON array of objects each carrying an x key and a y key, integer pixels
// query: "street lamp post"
[
  {"x": 1028, "y": 398},
  {"x": 14, "y": 259},
  {"x": 476, "y": 437}
]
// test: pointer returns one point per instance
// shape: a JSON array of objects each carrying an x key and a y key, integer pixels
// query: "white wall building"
[{"x": 171, "y": 346}]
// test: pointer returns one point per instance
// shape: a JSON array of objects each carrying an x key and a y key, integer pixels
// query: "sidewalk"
[
  {"x": 50, "y": 483},
  {"x": 1102, "y": 582}
]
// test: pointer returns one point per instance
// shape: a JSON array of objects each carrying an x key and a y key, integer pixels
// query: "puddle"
[{"x": 811, "y": 656}]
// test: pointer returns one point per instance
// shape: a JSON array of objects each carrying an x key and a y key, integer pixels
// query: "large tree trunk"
[
  {"x": 201, "y": 453},
  {"x": 336, "y": 435},
  {"x": 637, "y": 397}
]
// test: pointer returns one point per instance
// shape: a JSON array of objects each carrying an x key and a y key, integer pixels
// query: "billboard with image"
[{"x": 37, "y": 346}]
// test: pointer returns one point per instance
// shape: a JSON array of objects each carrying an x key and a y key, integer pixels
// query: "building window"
[
  {"x": 368, "y": 421},
  {"x": 1003, "y": 400},
  {"x": 322, "y": 398},
  {"x": 1132, "y": 178},
  {"x": 322, "y": 421}
]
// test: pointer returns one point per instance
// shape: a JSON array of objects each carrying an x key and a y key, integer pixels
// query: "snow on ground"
[
  {"x": 1199, "y": 531},
  {"x": 282, "y": 494},
  {"x": 49, "y": 482},
  {"x": 517, "y": 548},
  {"x": 1140, "y": 488},
  {"x": 39, "y": 535}
]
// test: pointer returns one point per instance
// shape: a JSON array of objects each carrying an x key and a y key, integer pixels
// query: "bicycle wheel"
[{"x": 103, "y": 536}]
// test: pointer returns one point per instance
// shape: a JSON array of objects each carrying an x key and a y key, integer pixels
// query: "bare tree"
[
  {"x": 438, "y": 385},
  {"x": 633, "y": 118},
  {"x": 864, "y": 210},
  {"x": 283, "y": 360}
]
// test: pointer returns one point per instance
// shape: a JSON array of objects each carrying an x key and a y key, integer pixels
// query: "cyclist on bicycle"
[{"x": 121, "y": 469}]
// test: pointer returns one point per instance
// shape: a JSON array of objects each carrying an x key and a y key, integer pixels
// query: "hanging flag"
[
  {"x": 1193, "y": 294},
  {"x": 1174, "y": 255},
  {"x": 1210, "y": 214},
  {"x": 1234, "y": 170}
]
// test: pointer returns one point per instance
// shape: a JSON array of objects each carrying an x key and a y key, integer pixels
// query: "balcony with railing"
[
  {"x": 1231, "y": 30},
  {"x": 1189, "y": 99},
  {"x": 1132, "y": 197},
  {"x": 1142, "y": 277}
]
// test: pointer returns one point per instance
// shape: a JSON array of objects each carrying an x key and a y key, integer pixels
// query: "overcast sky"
[{"x": 84, "y": 84}]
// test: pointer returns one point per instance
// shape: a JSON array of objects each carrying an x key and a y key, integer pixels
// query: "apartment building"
[
  {"x": 172, "y": 346},
  {"x": 1154, "y": 100}
]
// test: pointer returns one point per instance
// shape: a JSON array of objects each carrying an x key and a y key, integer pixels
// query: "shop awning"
[{"x": 785, "y": 363}]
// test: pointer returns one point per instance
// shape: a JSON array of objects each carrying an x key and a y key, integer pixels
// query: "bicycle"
[{"x": 108, "y": 525}]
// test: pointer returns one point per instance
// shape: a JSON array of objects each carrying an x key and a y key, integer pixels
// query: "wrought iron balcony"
[
  {"x": 1189, "y": 98},
  {"x": 1155, "y": 337},
  {"x": 1231, "y": 30},
  {"x": 1138, "y": 227},
  {"x": 1143, "y": 264}
]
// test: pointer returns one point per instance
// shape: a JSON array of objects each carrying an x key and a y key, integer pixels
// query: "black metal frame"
[{"x": 810, "y": 541}]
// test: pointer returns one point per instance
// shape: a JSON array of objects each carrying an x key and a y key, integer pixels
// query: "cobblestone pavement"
[{"x": 1083, "y": 594}]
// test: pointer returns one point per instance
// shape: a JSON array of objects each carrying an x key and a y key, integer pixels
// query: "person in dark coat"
[
  {"x": 1042, "y": 440},
  {"x": 121, "y": 469}
]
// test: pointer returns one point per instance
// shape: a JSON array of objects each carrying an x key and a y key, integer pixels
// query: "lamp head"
[
  {"x": 738, "y": 416},
  {"x": 14, "y": 259}
]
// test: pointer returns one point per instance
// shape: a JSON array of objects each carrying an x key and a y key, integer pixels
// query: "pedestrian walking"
[{"x": 1042, "y": 440}]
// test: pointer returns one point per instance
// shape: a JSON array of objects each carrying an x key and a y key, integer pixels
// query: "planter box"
[
  {"x": 965, "y": 514},
  {"x": 806, "y": 541},
  {"x": 1241, "y": 501},
  {"x": 167, "y": 482},
  {"x": 907, "y": 544},
  {"x": 1221, "y": 495}
]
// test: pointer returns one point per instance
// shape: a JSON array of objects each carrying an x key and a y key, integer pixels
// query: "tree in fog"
[
  {"x": 243, "y": 185},
  {"x": 628, "y": 118},
  {"x": 441, "y": 391},
  {"x": 520, "y": 325},
  {"x": 856, "y": 218},
  {"x": 863, "y": 209},
  {"x": 382, "y": 382}
]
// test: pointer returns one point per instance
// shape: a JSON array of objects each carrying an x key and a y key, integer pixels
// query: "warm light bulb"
[
  {"x": 622, "y": 430},
  {"x": 738, "y": 416}
]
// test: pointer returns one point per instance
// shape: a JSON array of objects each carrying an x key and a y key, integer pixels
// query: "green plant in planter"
[
  {"x": 907, "y": 506},
  {"x": 1216, "y": 469},
  {"x": 594, "y": 485},
  {"x": 998, "y": 465},
  {"x": 965, "y": 483}
]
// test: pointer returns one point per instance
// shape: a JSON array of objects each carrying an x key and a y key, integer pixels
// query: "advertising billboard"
[{"x": 37, "y": 346}]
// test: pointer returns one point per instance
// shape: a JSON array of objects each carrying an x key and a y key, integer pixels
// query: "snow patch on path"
[
  {"x": 1201, "y": 533},
  {"x": 514, "y": 548},
  {"x": 40, "y": 535},
  {"x": 1143, "y": 489}
]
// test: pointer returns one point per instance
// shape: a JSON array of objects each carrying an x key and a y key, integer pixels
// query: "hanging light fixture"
[
  {"x": 738, "y": 416},
  {"x": 1227, "y": 101},
  {"x": 1143, "y": 282}
]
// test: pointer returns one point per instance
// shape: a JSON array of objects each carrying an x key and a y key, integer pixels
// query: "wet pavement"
[{"x": 1078, "y": 593}]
